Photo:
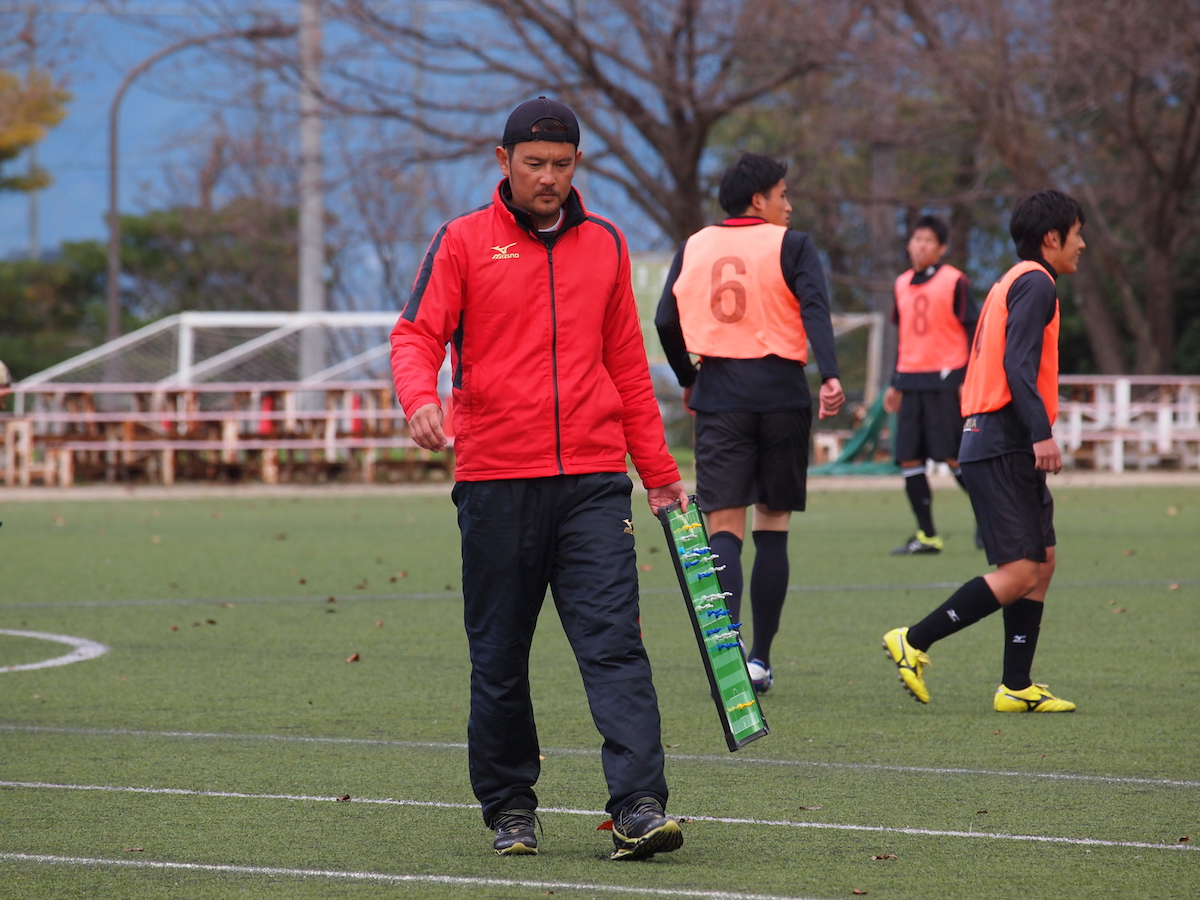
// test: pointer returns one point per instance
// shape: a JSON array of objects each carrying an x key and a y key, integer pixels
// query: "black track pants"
[{"x": 570, "y": 533}]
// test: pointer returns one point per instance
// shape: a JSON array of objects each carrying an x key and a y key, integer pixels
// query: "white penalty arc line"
[
  {"x": 574, "y": 751},
  {"x": 83, "y": 649},
  {"x": 722, "y": 820},
  {"x": 456, "y": 880}
]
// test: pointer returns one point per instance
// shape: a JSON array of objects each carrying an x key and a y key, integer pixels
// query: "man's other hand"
[
  {"x": 425, "y": 426},
  {"x": 1046, "y": 457},
  {"x": 666, "y": 495},
  {"x": 832, "y": 397},
  {"x": 891, "y": 400}
]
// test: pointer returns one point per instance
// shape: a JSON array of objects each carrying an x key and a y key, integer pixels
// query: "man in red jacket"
[{"x": 551, "y": 391}]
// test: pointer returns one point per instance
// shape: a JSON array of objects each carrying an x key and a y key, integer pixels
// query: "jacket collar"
[{"x": 575, "y": 214}]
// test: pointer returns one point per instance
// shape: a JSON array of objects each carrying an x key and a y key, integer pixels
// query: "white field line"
[
  {"x": 599, "y": 813},
  {"x": 457, "y": 595},
  {"x": 553, "y": 751},
  {"x": 84, "y": 649},
  {"x": 453, "y": 880}
]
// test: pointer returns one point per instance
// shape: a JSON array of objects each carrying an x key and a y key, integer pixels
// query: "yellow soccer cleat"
[
  {"x": 909, "y": 660},
  {"x": 1034, "y": 698},
  {"x": 920, "y": 543}
]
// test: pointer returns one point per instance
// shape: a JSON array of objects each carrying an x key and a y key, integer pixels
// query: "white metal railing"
[
  {"x": 1117, "y": 422},
  {"x": 152, "y": 431}
]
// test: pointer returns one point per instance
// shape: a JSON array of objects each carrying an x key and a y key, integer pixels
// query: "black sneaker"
[
  {"x": 642, "y": 829},
  {"x": 920, "y": 543},
  {"x": 515, "y": 834}
]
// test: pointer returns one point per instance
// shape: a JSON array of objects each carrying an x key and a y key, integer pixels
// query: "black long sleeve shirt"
[
  {"x": 966, "y": 312},
  {"x": 770, "y": 383},
  {"x": 1017, "y": 426}
]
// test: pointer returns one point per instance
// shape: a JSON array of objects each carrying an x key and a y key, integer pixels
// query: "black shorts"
[
  {"x": 928, "y": 426},
  {"x": 744, "y": 458},
  {"x": 1013, "y": 507}
]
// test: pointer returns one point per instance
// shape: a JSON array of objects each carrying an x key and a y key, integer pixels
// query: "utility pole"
[
  {"x": 29, "y": 35},
  {"x": 312, "y": 203}
]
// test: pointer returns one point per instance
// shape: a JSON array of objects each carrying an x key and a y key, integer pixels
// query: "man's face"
[
  {"x": 773, "y": 205},
  {"x": 924, "y": 249},
  {"x": 540, "y": 173},
  {"x": 1065, "y": 253}
]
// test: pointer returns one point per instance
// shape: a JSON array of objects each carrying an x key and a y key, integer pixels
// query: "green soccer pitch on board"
[
  {"x": 716, "y": 633},
  {"x": 224, "y": 722}
]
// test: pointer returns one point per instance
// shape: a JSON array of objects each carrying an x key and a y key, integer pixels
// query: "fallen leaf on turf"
[
  {"x": 646, "y": 567},
  {"x": 173, "y": 584},
  {"x": 981, "y": 812},
  {"x": 886, "y": 856},
  {"x": 344, "y": 798},
  {"x": 227, "y": 605},
  {"x": 281, "y": 536},
  {"x": 541, "y": 757},
  {"x": 672, "y": 746},
  {"x": 211, "y": 621},
  {"x": 1119, "y": 609},
  {"x": 1172, "y": 511},
  {"x": 174, "y": 627},
  {"x": 1172, "y": 587},
  {"x": 331, "y": 600},
  {"x": 379, "y": 624},
  {"x": 605, "y": 826},
  {"x": 1185, "y": 840},
  {"x": 362, "y": 585},
  {"x": 858, "y": 892},
  {"x": 304, "y": 581},
  {"x": 997, "y": 731},
  {"x": 353, "y": 657},
  {"x": 449, "y": 587},
  {"x": 1128, "y": 552},
  {"x": 133, "y": 849},
  {"x": 60, "y": 521}
]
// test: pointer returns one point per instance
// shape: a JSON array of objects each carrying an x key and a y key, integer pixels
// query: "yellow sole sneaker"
[
  {"x": 909, "y": 660},
  {"x": 1035, "y": 698}
]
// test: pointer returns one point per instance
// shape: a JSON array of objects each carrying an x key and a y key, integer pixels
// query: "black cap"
[{"x": 519, "y": 127}]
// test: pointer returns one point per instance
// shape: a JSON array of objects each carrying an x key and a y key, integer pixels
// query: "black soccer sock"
[
  {"x": 916, "y": 485},
  {"x": 768, "y": 590},
  {"x": 1022, "y": 625},
  {"x": 729, "y": 550},
  {"x": 966, "y": 606}
]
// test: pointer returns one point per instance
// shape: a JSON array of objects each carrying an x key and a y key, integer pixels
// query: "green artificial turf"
[{"x": 228, "y": 675}]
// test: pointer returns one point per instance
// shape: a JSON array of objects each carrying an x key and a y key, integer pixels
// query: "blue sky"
[{"x": 76, "y": 151}]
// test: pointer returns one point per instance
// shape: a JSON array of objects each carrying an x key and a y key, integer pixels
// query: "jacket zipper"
[{"x": 554, "y": 362}]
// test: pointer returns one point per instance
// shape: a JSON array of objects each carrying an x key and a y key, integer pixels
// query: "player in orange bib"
[
  {"x": 935, "y": 320},
  {"x": 748, "y": 297},
  {"x": 1010, "y": 401}
]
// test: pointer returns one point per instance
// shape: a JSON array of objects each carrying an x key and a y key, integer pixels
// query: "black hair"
[
  {"x": 553, "y": 126},
  {"x": 938, "y": 226},
  {"x": 1037, "y": 215},
  {"x": 750, "y": 175}
]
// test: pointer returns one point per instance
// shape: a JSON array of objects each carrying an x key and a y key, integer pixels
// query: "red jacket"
[{"x": 550, "y": 373}]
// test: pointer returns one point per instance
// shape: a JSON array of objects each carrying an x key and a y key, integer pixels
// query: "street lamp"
[{"x": 269, "y": 31}]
